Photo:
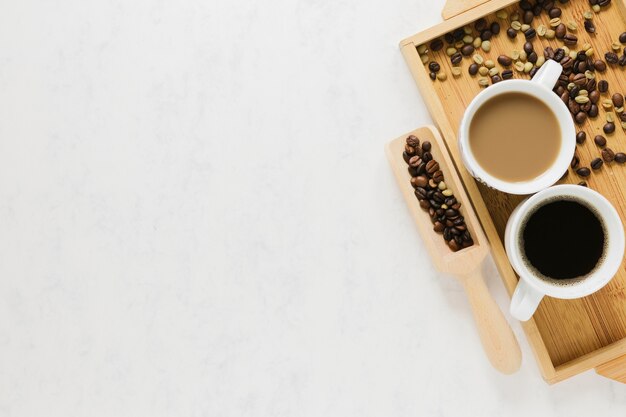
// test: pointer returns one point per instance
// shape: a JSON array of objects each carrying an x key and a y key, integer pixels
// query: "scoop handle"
[{"x": 496, "y": 335}]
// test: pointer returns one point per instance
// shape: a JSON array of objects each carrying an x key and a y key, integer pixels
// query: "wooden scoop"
[{"x": 495, "y": 333}]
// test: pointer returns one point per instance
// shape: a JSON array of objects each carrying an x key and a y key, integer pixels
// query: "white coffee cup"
[
  {"x": 531, "y": 287},
  {"x": 540, "y": 86}
]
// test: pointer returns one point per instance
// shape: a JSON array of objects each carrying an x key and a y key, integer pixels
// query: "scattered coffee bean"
[
  {"x": 473, "y": 69},
  {"x": 603, "y": 86},
  {"x": 507, "y": 74},
  {"x": 436, "y": 45},
  {"x": 511, "y": 33},
  {"x": 434, "y": 67},
  {"x": 580, "y": 117},
  {"x": 590, "y": 27},
  {"x": 570, "y": 39},
  {"x": 581, "y": 137},
  {"x": 611, "y": 57},
  {"x": 467, "y": 50},
  {"x": 609, "y": 128},
  {"x": 575, "y": 162},
  {"x": 618, "y": 100},
  {"x": 620, "y": 157},
  {"x": 556, "y": 12},
  {"x": 583, "y": 183},
  {"x": 596, "y": 164},
  {"x": 622, "y": 37},
  {"x": 600, "y": 140},
  {"x": 505, "y": 61},
  {"x": 530, "y": 34},
  {"x": 495, "y": 28},
  {"x": 608, "y": 155},
  {"x": 456, "y": 58},
  {"x": 583, "y": 172},
  {"x": 426, "y": 146},
  {"x": 528, "y": 47},
  {"x": 560, "y": 31}
]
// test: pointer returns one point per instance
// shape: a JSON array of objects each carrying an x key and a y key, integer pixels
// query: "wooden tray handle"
[
  {"x": 614, "y": 369},
  {"x": 456, "y": 7}
]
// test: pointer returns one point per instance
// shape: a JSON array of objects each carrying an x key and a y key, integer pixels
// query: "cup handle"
[
  {"x": 548, "y": 74},
  {"x": 525, "y": 301}
]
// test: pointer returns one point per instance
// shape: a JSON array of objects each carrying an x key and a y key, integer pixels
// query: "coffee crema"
[{"x": 515, "y": 137}]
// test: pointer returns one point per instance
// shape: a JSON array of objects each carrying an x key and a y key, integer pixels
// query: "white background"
[{"x": 197, "y": 219}]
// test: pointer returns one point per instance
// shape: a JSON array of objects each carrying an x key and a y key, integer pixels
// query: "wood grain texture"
[
  {"x": 567, "y": 336},
  {"x": 497, "y": 338},
  {"x": 455, "y": 7}
]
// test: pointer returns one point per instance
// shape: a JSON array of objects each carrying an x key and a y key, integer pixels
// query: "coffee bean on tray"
[
  {"x": 581, "y": 137},
  {"x": 505, "y": 61},
  {"x": 608, "y": 155},
  {"x": 596, "y": 164},
  {"x": 609, "y": 128},
  {"x": 618, "y": 100},
  {"x": 600, "y": 140},
  {"x": 583, "y": 172},
  {"x": 620, "y": 157}
]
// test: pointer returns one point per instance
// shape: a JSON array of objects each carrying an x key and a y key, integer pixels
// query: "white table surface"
[{"x": 197, "y": 219}]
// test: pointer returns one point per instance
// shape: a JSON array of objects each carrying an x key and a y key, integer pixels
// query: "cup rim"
[
  {"x": 598, "y": 278},
  {"x": 566, "y": 125}
]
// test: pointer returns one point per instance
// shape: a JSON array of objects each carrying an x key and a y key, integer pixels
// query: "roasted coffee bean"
[
  {"x": 583, "y": 172},
  {"x": 622, "y": 117},
  {"x": 420, "y": 193},
  {"x": 495, "y": 79},
  {"x": 532, "y": 57},
  {"x": 565, "y": 97},
  {"x": 485, "y": 35},
  {"x": 434, "y": 67},
  {"x": 505, "y": 61},
  {"x": 458, "y": 34},
  {"x": 583, "y": 183},
  {"x": 495, "y": 28},
  {"x": 608, "y": 128},
  {"x": 573, "y": 107},
  {"x": 446, "y": 235},
  {"x": 548, "y": 52},
  {"x": 575, "y": 162},
  {"x": 556, "y": 12},
  {"x": 593, "y": 111},
  {"x": 620, "y": 157},
  {"x": 438, "y": 197},
  {"x": 456, "y": 58},
  {"x": 406, "y": 157},
  {"x": 579, "y": 79},
  {"x": 570, "y": 39},
  {"x": 530, "y": 34},
  {"x": 480, "y": 24},
  {"x": 426, "y": 146},
  {"x": 511, "y": 33},
  {"x": 591, "y": 85},
  {"x": 438, "y": 177},
  {"x": 603, "y": 86},
  {"x": 622, "y": 60},
  {"x": 473, "y": 69},
  {"x": 415, "y": 161},
  {"x": 622, "y": 37},
  {"x": 600, "y": 140},
  {"x": 432, "y": 75},
  {"x": 599, "y": 65},
  {"x": 533, "y": 71},
  {"x": 581, "y": 137},
  {"x": 594, "y": 96},
  {"x": 419, "y": 181},
  {"x": 436, "y": 45},
  {"x": 409, "y": 149},
  {"x": 566, "y": 63},
  {"x": 580, "y": 118},
  {"x": 507, "y": 74},
  {"x": 454, "y": 245},
  {"x": 608, "y": 155},
  {"x": 525, "y": 5},
  {"x": 528, "y": 17},
  {"x": 432, "y": 166},
  {"x": 449, "y": 38},
  {"x": 596, "y": 164},
  {"x": 590, "y": 27},
  {"x": 438, "y": 227},
  {"x": 558, "y": 54},
  {"x": 424, "y": 204},
  {"x": 413, "y": 141},
  {"x": 528, "y": 47},
  {"x": 618, "y": 100},
  {"x": 611, "y": 57},
  {"x": 560, "y": 31},
  {"x": 467, "y": 50}
]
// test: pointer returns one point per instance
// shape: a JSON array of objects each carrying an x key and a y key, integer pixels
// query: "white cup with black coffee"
[
  {"x": 566, "y": 241},
  {"x": 517, "y": 136}
]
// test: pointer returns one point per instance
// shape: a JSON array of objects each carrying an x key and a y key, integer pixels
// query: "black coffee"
[{"x": 563, "y": 239}]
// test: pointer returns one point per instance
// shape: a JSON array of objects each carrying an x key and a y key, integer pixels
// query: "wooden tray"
[{"x": 567, "y": 336}]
